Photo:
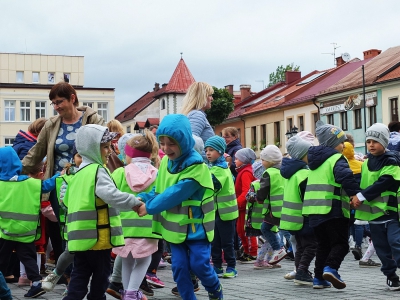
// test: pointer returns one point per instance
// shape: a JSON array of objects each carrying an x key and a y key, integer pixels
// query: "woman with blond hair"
[{"x": 198, "y": 99}]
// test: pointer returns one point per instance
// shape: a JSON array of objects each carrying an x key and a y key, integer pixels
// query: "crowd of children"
[{"x": 198, "y": 208}]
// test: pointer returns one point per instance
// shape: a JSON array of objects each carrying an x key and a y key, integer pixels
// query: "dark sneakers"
[
  {"x": 357, "y": 253},
  {"x": 303, "y": 277},
  {"x": 35, "y": 291},
  {"x": 114, "y": 288},
  {"x": 393, "y": 283},
  {"x": 146, "y": 289},
  {"x": 196, "y": 287}
]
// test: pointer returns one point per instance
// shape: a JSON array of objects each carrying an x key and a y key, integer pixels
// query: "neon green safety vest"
[
  {"x": 225, "y": 199},
  {"x": 291, "y": 217},
  {"x": 62, "y": 213},
  {"x": 257, "y": 216},
  {"x": 133, "y": 226},
  {"x": 320, "y": 190},
  {"x": 371, "y": 209},
  {"x": 276, "y": 192},
  {"x": 173, "y": 223},
  {"x": 82, "y": 217},
  {"x": 19, "y": 213}
]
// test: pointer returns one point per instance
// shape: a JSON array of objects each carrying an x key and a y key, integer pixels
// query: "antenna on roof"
[
  {"x": 181, "y": 54},
  {"x": 334, "y": 50}
]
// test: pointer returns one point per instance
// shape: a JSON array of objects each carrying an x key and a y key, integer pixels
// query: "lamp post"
[
  {"x": 288, "y": 134},
  {"x": 291, "y": 132},
  {"x": 294, "y": 130}
]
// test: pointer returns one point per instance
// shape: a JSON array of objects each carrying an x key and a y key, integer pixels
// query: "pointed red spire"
[{"x": 180, "y": 80}]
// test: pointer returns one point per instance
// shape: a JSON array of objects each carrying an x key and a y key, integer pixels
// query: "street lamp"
[
  {"x": 291, "y": 132},
  {"x": 294, "y": 130}
]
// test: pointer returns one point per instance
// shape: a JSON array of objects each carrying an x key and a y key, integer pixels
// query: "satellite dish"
[{"x": 346, "y": 57}]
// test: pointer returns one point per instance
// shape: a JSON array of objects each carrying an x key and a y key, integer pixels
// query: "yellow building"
[{"x": 25, "y": 83}]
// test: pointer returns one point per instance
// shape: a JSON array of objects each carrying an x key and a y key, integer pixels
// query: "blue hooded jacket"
[{"x": 177, "y": 127}]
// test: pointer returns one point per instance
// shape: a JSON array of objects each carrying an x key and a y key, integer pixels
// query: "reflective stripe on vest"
[
  {"x": 18, "y": 222},
  {"x": 133, "y": 226},
  {"x": 320, "y": 190},
  {"x": 173, "y": 223},
  {"x": 83, "y": 212},
  {"x": 225, "y": 200},
  {"x": 292, "y": 217},
  {"x": 276, "y": 192},
  {"x": 370, "y": 210}
]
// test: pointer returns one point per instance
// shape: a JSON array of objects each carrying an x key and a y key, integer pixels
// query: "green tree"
[
  {"x": 279, "y": 75},
  {"x": 221, "y": 106}
]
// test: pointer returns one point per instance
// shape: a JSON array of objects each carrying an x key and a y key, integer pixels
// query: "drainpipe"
[{"x": 319, "y": 118}]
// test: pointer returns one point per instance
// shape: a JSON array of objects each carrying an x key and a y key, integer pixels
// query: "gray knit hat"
[
  {"x": 329, "y": 135},
  {"x": 272, "y": 154},
  {"x": 297, "y": 147},
  {"x": 258, "y": 169},
  {"x": 245, "y": 155},
  {"x": 217, "y": 143},
  {"x": 378, "y": 132}
]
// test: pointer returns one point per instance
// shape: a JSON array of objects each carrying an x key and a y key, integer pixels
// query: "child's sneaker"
[
  {"x": 321, "y": 283},
  {"x": 219, "y": 271},
  {"x": 216, "y": 295},
  {"x": 290, "y": 275},
  {"x": 50, "y": 282},
  {"x": 153, "y": 280},
  {"x": 196, "y": 287},
  {"x": 162, "y": 264},
  {"x": 230, "y": 273},
  {"x": 23, "y": 281},
  {"x": 277, "y": 256},
  {"x": 393, "y": 283},
  {"x": 333, "y": 276},
  {"x": 368, "y": 264},
  {"x": 35, "y": 291},
  {"x": 114, "y": 288},
  {"x": 247, "y": 259},
  {"x": 261, "y": 265},
  {"x": 303, "y": 277}
]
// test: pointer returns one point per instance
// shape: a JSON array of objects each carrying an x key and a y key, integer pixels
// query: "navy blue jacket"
[
  {"x": 317, "y": 155},
  {"x": 231, "y": 149},
  {"x": 23, "y": 142}
]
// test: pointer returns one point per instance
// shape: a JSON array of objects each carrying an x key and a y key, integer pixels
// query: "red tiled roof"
[
  {"x": 394, "y": 74},
  {"x": 152, "y": 121},
  {"x": 139, "y": 125},
  {"x": 377, "y": 66},
  {"x": 180, "y": 80}
]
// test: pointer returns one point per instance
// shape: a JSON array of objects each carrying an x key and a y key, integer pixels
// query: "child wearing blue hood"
[
  {"x": 184, "y": 196},
  {"x": 19, "y": 224}
]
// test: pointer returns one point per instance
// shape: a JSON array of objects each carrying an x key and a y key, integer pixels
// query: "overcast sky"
[{"x": 130, "y": 45}]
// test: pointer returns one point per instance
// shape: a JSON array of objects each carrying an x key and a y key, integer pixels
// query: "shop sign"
[{"x": 352, "y": 102}]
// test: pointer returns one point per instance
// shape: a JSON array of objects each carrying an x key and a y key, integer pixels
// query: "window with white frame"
[
  {"x": 9, "y": 110},
  {"x": 8, "y": 141},
  {"x": 25, "y": 111},
  {"x": 90, "y": 104},
  {"x": 372, "y": 115},
  {"x": 20, "y": 76},
  {"x": 128, "y": 129},
  {"x": 162, "y": 104},
  {"x": 67, "y": 77},
  {"x": 40, "y": 109},
  {"x": 50, "y": 77},
  {"x": 343, "y": 120},
  {"x": 102, "y": 110},
  {"x": 357, "y": 119},
  {"x": 35, "y": 77},
  {"x": 330, "y": 119}
]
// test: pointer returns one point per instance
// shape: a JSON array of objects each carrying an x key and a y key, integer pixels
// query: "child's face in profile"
[
  {"x": 105, "y": 151},
  {"x": 77, "y": 159},
  {"x": 170, "y": 147},
  {"x": 238, "y": 163},
  {"x": 339, "y": 148},
  {"x": 375, "y": 148},
  {"x": 212, "y": 154},
  {"x": 266, "y": 164}
]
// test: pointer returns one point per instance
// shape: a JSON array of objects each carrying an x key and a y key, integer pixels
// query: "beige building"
[{"x": 25, "y": 83}]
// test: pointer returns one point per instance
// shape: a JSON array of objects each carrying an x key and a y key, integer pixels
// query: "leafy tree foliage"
[
  {"x": 221, "y": 106},
  {"x": 279, "y": 75}
]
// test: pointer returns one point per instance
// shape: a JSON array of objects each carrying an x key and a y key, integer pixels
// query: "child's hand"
[
  {"x": 355, "y": 202},
  {"x": 62, "y": 172},
  {"x": 142, "y": 210}
]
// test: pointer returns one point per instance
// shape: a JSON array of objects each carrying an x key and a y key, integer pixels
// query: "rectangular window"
[
  {"x": 357, "y": 119},
  {"x": 128, "y": 129},
  {"x": 8, "y": 141},
  {"x": 372, "y": 115},
  {"x": 277, "y": 131},
  {"x": 67, "y": 77},
  {"x": 394, "y": 110},
  {"x": 40, "y": 109},
  {"x": 25, "y": 111},
  {"x": 50, "y": 77},
  {"x": 35, "y": 77},
  {"x": 9, "y": 110},
  {"x": 343, "y": 120},
  {"x": 330, "y": 119},
  {"x": 301, "y": 123},
  {"x": 89, "y": 104},
  {"x": 20, "y": 76},
  {"x": 289, "y": 124},
  {"x": 253, "y": 137},
  {"x": 314, "y": 118},
  {"x": 102, "y": 110},
  {"x": 263, "y": 138}
]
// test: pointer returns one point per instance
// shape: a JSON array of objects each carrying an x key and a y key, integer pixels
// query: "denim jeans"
[
  {"x": 284, "y": 233},
  {"x": 223, "y": 240},
  {"x": 386, "y": 238},
  {"x": 5, "y": 293},
  {"x": 272, "y": 237}
]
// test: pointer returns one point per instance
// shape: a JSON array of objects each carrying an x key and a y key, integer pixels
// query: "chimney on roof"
[
  {"x": 292, "y": 76},
  {"x": 339, "y": 61},
  {"x": 229, "y": 88},
  {"x": 244, "y": 91},
  {"x": 156, "y": 87},
  {"x": 371, "y": 53},
  {"x": 164, "y": 85}
]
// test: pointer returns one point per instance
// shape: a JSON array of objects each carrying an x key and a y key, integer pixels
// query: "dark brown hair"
[
  {"x": 36, "y": 126},
  {"x": 63, "y": 90},
  {"x": 394, "y": 126}
]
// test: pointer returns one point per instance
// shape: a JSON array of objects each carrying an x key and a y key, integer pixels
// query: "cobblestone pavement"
[{"x": 362, "y": 283}]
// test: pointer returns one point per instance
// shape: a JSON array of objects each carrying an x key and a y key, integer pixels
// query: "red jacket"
[{"x": 242, "y": 185}]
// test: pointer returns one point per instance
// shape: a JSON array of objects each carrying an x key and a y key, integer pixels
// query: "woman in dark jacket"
[{"x": 231, "y": 136}]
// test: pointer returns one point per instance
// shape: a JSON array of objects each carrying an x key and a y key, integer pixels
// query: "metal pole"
[{"x": 365, "y": 107}]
